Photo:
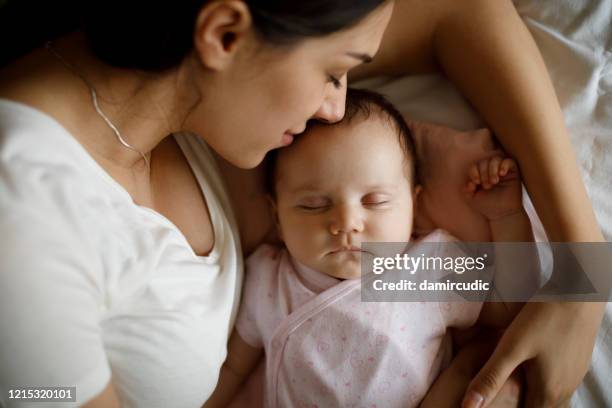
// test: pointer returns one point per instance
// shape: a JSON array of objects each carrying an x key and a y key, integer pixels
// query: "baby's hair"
[{"x": 359, "y": 103}]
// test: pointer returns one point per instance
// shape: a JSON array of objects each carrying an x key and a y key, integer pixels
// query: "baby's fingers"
[
  {"x": 474, "y": 175},
  {"x": 494, "y": 169},
  {"x": 483, "y": 169},
  {"x": 470, "y": 187},
  {"x": 507, "y": 165}
]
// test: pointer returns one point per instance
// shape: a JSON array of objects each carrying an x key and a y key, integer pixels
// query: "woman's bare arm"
[
  {"x": 493, "y": 59},
  {"x": 241, "y": 360},
  {"x": 106, "y": 399}
]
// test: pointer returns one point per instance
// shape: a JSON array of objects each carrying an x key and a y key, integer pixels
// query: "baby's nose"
[{"x": 346, "y": 220}]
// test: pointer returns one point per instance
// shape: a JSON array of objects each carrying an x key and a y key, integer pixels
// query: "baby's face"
[{"x": 339, "y": 186}]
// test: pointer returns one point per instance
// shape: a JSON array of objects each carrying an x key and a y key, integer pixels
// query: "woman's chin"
[{"x": 245, "y": 162}]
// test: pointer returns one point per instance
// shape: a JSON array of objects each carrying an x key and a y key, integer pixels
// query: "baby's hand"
[{"x": 494, "y": 187}]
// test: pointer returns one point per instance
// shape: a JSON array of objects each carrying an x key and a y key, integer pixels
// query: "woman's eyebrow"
[{"x": 365, "y": 58}]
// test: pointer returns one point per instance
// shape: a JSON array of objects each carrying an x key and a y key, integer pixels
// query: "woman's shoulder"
[
  {"x": 40, "y": 163},
  {"x": 49, "y": 190},
  {"x": 411, "y": 48}
]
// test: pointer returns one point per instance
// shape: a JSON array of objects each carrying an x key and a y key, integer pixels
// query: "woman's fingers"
[
  {"x": 511, "y": 393},
  {"x": 490, "y": 379},
  {"x": 542, "y": 390}
]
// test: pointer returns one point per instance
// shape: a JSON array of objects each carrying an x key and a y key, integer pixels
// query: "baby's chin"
[{"x": 349, "y": 267}]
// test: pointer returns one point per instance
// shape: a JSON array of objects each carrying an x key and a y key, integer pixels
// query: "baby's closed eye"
[
  {"x": 313, "y": 203},
  {"x": 376, "y": 200}
]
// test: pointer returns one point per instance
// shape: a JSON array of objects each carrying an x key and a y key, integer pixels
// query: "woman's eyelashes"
[{"x": 336, "y": 80}]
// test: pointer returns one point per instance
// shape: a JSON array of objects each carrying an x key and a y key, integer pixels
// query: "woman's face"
[{"x": 267, "y": 94}]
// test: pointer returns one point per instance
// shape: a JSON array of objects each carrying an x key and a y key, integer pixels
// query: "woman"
[
  {"x": 122, "y": 272},
  {"x": 244, "y": 96}
]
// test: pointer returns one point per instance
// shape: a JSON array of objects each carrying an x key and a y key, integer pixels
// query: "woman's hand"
[
  {"x": 553, "y": 342},
  {"x": 474, "y": 347}
]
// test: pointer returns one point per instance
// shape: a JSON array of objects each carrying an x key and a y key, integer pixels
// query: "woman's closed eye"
[{"x": 335, "y": 80}]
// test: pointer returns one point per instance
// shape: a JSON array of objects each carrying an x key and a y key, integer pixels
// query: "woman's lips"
[{"x": 287, "y": 139}]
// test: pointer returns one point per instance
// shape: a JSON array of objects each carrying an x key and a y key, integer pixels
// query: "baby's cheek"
[
  {"x": 293, "y": 234},
  {"x": 396, "y": 228},
  {"x": 308, "y": 240}
]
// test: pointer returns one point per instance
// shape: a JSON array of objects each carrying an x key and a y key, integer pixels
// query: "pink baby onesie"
[{"x": 326, "y": 348}]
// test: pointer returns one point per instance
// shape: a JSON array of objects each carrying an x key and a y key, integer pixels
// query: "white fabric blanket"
[{"x": 575, "y": 38}]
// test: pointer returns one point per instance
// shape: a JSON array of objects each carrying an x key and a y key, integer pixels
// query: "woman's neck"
[{"x": 144, "y": 107}]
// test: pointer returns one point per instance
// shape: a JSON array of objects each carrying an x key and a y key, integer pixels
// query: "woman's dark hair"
[
  {"x": 27, "y": 24},
  {"x": 359, "y": 103},
  {"x": 157, "y": 35}
]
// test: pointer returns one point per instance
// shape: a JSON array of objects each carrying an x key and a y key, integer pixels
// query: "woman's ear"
[{"x": 221, "y": 27}]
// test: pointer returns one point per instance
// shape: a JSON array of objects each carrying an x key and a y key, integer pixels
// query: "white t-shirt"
[{"x": 93, "y": 284}]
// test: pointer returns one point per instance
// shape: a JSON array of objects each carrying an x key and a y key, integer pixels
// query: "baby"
[{"x": 337, "y": 186}]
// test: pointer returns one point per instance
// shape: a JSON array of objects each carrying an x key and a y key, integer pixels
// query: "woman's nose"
[
  {"x": 346, "y": 220},
  {"x": 334, "y": 103}
]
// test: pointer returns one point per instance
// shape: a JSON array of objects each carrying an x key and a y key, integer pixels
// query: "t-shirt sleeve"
[
  {"x": 50, "y": 306},
  {"x": 252, "y": 312}
]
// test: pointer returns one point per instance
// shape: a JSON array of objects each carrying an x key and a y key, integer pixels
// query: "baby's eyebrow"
[
  {"x": 306, "y": 189},
  {"x": 381, "y": 187},
  {"x": 316, "y": 190}
]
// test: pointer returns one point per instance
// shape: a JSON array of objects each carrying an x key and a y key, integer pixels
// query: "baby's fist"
[{"x": 494, "y": 187}]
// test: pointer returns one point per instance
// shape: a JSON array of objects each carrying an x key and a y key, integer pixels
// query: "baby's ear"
[
  {"x": 415, "y": 199},
  {"x": 417, "y": 190},
  {"x": 274, "y": 210}
]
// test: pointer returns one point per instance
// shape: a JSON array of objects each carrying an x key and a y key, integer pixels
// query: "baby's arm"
[
  {"x": 241, "y": 360},
  {"x": 494, "y": 190}
]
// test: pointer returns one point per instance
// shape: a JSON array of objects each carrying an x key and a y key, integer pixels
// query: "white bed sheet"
[{"x": 575, "y": 38}]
